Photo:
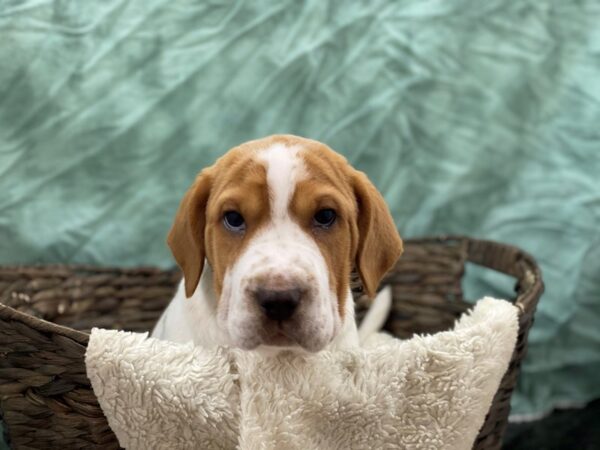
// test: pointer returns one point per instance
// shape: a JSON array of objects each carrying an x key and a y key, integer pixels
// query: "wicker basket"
[{"x": 46, "y": 398}]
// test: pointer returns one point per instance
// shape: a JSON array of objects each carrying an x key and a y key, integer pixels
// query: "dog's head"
[{"x": 282, "y": 221}]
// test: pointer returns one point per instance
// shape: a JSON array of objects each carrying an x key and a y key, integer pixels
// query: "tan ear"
[
  {"x": 379, "y": 244},
  {"x": 186, "y": 237}
]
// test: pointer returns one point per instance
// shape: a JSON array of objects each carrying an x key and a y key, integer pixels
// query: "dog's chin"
[{"x": 278, "y": 341}]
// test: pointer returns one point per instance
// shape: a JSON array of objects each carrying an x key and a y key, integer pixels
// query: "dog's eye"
[
  {"x": 324, "y": 218},
  {"x": 234, "y": 221}
]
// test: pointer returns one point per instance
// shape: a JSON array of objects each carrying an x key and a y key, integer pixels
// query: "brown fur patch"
[
  {"x": 364, "y": 234},
  {"x": 236, "y": 182},
  {"x": 241, "y": 187},
  {"x": 327, "y": 187}
]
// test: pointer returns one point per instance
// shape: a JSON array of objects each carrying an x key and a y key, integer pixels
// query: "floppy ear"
[
  {"x": 379, "y": 244},
  {"x": 186, "y": 237}
]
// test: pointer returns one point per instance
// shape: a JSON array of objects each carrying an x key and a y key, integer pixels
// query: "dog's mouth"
[
  {"x": 292, "y": 335},
  {"x": 288, "y": 336},
  {"x": 280, "y": 338}
]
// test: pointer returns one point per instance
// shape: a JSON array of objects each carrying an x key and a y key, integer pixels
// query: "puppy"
[{"x": 266, "y": 239}]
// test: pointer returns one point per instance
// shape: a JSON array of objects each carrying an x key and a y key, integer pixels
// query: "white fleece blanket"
[{"x": 428, "y": 392}]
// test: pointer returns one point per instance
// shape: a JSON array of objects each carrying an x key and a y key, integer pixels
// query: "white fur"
[
  {"x": 192, "y": 319},
  {"x": 283, "y": 255},
  {"x": 377, "y": 314}
]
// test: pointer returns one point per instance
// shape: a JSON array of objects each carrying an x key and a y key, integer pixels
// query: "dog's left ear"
[
  {"x": 379, "y": 245},
  {"x": 186, "y": 238}
]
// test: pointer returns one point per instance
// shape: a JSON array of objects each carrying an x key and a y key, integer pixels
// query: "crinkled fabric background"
[{"x": 477, "y": 118}]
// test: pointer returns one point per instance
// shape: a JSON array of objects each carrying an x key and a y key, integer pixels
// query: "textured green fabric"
[{"x": 472, "y": 117}]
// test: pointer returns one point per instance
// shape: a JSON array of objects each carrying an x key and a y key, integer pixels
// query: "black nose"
[{"x": 278, "y": 304}]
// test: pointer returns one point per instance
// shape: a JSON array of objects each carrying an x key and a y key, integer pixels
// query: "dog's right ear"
[{"x": 186, "y": 237}]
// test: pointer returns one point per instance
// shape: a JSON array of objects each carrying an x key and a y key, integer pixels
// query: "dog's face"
[{"x": 282, "y": 221}]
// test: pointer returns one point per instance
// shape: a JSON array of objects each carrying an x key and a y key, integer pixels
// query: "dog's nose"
[{"x": 278, "y": 304}]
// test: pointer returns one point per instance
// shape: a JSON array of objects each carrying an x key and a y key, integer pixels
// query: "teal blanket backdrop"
[{"x": 476, "y": 118}]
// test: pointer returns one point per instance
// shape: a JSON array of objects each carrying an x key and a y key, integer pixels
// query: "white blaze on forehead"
[{"x": 284, "y": 169}]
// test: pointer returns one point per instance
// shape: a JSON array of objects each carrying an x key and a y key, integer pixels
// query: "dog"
[{"x": 266, "y": 239}]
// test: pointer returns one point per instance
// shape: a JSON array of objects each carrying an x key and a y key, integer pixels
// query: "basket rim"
[
  {"x": 504, "y": 258},
  {"x": 42, "y": 325},
  {"x": 514, "y": 262},
  {"x": 46, "y": 326},
  {"x": 100, "y": 268}
]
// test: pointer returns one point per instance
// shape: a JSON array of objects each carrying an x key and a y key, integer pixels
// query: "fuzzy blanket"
[{"x": 429, "y": 392}]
